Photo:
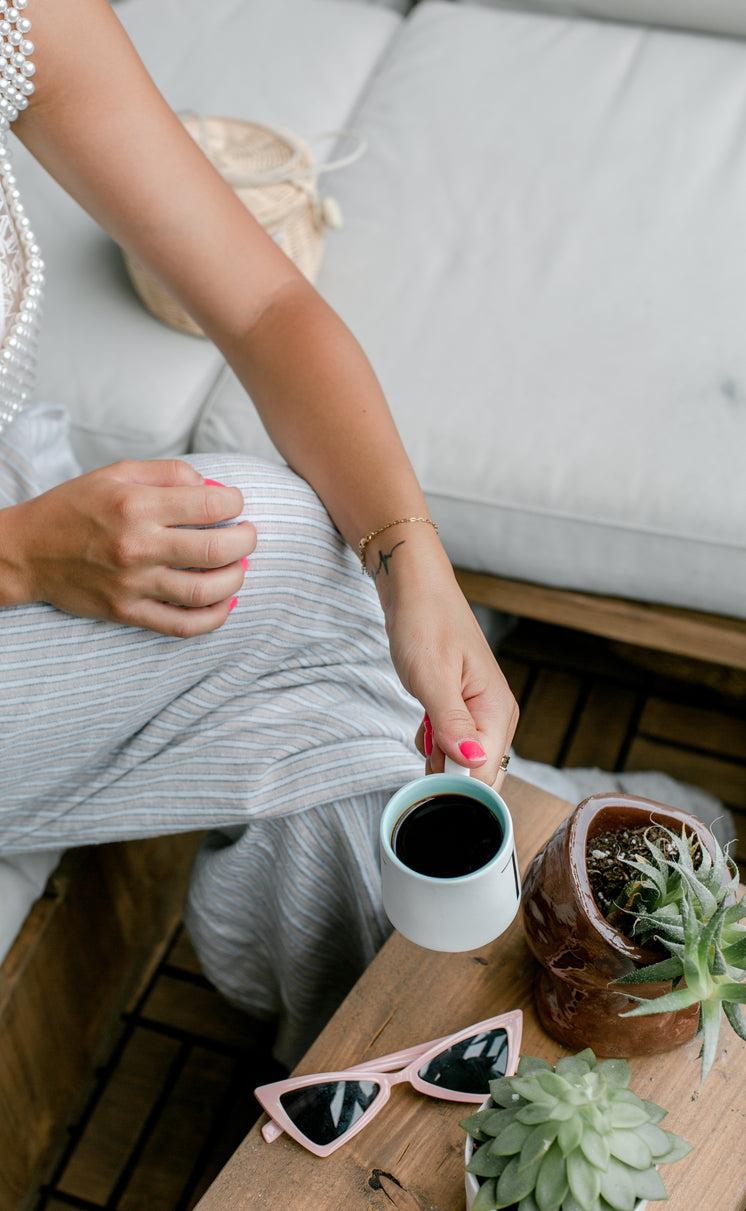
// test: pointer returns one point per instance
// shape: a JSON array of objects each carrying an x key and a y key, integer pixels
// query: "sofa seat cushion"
[
  {"x": 134, "y": 386},
  {"x": 22, "y": 880},
  {"x": 543, "y": 257}
]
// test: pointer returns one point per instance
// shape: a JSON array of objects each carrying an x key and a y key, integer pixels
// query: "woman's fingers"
[
  {"x": 206, "y": 504},
  {"x": 177, "y": 521},
  {"x": 158, "y": 472},
  {"x": 194, "y": 590},
  {"x": 211, "y": 548},
  {"x": 186, "y": 524},
  {"x": 471, "y": 716},
  {"x": 504, "y": 760},
  {"x": 456, "y": 735},
  {"x": 185, "y": 624}
]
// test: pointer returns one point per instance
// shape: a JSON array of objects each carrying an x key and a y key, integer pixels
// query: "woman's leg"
[
  {"x": 285, "y": 911},
  {"x": 286, "y": 730},
  {"x": 286, "y": 914},
  {"x": 109, "y": 732}
]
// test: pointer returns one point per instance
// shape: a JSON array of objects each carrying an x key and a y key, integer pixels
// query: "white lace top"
[{"x": 21, "y": 266}]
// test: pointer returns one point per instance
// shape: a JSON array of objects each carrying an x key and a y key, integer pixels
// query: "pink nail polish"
[
  {"x": 427, "y": 734},
  {"x": 215, "y": 482},
  {"x": 233, "y": 604},
  {"x": 244, "y": 563},
  {"x": 472, "y": 750}
]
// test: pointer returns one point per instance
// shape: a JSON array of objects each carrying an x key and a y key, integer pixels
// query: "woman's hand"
[
  {"x": 109, "y": 545},
  {"x": 443, "y": 659}
]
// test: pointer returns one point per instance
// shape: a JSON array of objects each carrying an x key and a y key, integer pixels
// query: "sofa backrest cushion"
[
  {"x": 710, "y": 16},
  {"x": 543, "y": 257}
]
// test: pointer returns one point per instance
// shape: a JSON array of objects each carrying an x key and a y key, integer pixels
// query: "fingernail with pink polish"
[
  {"x": 244, "y": 563},
  {"x": 215, "y": 482},
  {"x": 472, "y": 750},
  {"x": 427, "y": 735},
  {"x": 233, "y": 604}
]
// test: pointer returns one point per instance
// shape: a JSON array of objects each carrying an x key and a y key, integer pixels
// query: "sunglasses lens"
[
  {"x": 325, "y": 1112},
  {"x": 469, "y": 1065}
]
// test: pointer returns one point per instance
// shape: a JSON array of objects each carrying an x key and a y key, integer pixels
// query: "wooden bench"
[
  {"x": 85, "y": 950},
  {"x": 710, "y": 637}
]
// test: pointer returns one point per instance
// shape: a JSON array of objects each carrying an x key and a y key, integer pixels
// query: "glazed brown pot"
[{"x": 580, "y": 953}]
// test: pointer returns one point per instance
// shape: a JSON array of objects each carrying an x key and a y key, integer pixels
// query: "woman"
[{"x": 190, "y": 644}]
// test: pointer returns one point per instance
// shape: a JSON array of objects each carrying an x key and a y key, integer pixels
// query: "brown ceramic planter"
[{"x": 580, "y": 953}]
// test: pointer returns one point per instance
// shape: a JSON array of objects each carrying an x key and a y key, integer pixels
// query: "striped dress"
[{"x": 283, "y": 733}]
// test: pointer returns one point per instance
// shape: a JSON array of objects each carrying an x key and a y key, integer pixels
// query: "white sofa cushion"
[
  {"x": 400, "y": 6},
  {"x": 711, "y": 16},
  {"x": 543, "y": 256},
  {"x": 22, "y": 880},
  {"x": 134, "y": 386}
]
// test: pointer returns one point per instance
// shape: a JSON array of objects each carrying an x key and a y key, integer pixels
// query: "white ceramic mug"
[{"x": 456, "y": 913}]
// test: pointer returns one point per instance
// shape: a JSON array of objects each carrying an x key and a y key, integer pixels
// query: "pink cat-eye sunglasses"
[{"x": 324, "y": 1110}]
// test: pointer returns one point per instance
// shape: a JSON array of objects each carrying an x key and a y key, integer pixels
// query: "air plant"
[{"x": 684, "y": 900}]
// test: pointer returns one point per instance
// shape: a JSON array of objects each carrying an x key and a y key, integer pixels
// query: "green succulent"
[
  {"x": 571, "y": 1137},
  {"x": 685, "y": 908}
]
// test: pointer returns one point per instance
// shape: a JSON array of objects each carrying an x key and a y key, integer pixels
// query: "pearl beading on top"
[{"x": 18, "y": 245}]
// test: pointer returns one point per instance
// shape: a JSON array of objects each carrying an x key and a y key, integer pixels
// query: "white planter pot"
[{"x": 472, "y": 1184}]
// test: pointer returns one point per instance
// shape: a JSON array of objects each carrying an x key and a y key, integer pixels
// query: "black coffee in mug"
[{"x": 447, "y": 836}]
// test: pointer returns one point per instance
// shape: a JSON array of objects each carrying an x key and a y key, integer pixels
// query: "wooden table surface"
[{"x": 411, "y": 1155}]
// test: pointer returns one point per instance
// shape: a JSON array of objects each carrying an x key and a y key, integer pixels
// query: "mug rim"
[{"x": 455, "y": 783}]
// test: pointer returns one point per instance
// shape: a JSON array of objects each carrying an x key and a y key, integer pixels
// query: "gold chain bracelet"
[{"x": 374, "y": 534}]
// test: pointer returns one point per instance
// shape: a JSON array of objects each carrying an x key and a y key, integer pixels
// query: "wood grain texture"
[
  {"x": 547, "y": 715},
  {"x": 703, "y": 730},
  {"x": 411, "y": 1155},
  {"x": 601, "y": 728},
  {"x": 708, "y": 637},
  {"x": 85, "y": 948},
  {"x": 179, "y": 1133},
  {"x": 115, "y": 1128}
]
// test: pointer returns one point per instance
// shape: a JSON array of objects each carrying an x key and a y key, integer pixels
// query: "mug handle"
[{"x": 453, "y": 767}]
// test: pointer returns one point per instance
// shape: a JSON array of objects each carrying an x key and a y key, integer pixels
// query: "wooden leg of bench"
[
  {"x": 85, "y": 950},
  {"x": 710, "y": 637}
]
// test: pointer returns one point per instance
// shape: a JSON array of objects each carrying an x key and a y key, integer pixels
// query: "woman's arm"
[{"x": 98, "y": 124}]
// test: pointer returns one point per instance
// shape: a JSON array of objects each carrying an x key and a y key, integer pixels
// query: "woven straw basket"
[{"x": 275, "y": 175}]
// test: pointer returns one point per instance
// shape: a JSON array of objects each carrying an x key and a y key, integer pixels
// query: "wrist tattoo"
[{"x": 384, "y": 559}]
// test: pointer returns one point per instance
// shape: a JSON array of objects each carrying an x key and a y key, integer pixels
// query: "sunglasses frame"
[{"x": 384, "y": 1071}]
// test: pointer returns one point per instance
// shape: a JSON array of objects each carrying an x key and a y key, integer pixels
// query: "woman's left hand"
[{"x": 444, "y": 660}]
